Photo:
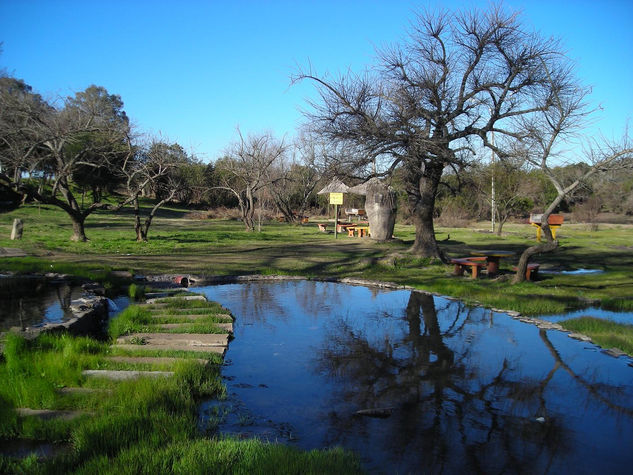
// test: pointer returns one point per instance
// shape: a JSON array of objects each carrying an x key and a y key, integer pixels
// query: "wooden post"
[{"x": 336, "y": 199}]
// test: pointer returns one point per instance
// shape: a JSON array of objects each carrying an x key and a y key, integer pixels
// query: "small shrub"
[{"x": 136, "y": 292}]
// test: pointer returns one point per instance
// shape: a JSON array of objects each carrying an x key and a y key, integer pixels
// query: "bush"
[{"x": 136, "y": 292}]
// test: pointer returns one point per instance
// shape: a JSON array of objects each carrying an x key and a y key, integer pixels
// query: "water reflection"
[
  {"x": 454, "y": 389},
  {"x": 28, "y": 302}
]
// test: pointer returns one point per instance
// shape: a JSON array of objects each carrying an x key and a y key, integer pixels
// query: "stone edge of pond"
[{"x": 541, "y": 324}]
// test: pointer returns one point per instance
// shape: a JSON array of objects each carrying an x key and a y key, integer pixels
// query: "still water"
[
  {"x": 30, "y": 302},
  {"x": 440, "y": 386},
  {"x": 34, "y": 302}
]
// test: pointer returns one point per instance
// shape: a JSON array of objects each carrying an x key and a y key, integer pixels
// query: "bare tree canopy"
[
  {"x": 62, "y": 149},
  {"x": 156, "y": 167},
  {"x": 457, "y": 77},
  {"x": 245, "y": 170}
]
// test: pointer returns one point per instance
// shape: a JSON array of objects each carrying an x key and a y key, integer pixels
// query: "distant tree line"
[{"x": 81, "y": 154}]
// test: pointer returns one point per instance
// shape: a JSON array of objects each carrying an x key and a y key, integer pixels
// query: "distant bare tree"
[
  {"x": 244, "y": 171},
  {"x": 293, "y": 181},
  {"x": 457, "y": 78},
  {"x": 512, "y": 190},
  {"x": 158, "y": 168}
]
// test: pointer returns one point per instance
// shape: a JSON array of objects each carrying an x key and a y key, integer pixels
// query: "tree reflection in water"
[
  {"x": 464, "y": 390},
  {"x": 444, "y": 409},
  {"x": 32, "y": 302}
]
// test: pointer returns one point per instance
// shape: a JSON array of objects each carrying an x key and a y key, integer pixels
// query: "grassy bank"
[
  {"x": 605, "y": 333},
  {"x": 140, "y": 426},
  {"x": 215, "y": 247}
]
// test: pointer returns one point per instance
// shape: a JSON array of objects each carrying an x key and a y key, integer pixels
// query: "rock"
[
  {"x": 579, "y": 336},
  {"x": 47, "y": 414},
  {"x": 123, "y": 375},
  {"x": 615, "y": 352}
]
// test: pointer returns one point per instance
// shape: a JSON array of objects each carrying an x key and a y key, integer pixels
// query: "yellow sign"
[{"x": 336, "y": 198}]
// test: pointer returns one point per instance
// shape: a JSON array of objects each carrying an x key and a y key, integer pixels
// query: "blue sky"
[{"x": 193, "y": 71}]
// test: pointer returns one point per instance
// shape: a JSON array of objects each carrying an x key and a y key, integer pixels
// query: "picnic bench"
[
  {"x": 358, "y": 213},
  {"x": 464, "y": 263},
  {"x": 555, "y": 221},
  {"x": 493, "y": 259},
  {"x": 362, "y": 231},
  {"x": 531, "y": 273}
]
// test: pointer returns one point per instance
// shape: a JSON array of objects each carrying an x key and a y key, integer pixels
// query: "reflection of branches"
[
  {"x": 64, "y": 296},
  {"x": 440, "y": 408},
  {"x": 591, "y": 388}
]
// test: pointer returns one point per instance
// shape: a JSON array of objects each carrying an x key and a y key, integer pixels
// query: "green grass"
[
  {"x": 142, "y": 426},
  {"x": 605, "y": 333},
  {"x": 225, "y": 457}
]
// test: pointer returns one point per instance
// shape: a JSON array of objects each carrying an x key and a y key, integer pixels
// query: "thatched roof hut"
[
  {"x": 370, "y": 185},
  {"x": 335, "y": 186}
]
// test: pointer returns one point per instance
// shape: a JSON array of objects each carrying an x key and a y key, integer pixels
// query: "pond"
[{"x": 416, "y": 383}]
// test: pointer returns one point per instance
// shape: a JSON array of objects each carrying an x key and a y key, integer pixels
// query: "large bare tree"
[{"x": 458, "y": 77}]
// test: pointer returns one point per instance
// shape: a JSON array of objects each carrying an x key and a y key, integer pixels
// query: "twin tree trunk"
[{"x": 247, "y": 208}]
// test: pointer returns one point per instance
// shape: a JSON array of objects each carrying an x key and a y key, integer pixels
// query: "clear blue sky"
[{"x": 195, "y": 70}]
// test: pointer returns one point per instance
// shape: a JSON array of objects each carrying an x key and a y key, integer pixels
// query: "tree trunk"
[
  {"x": 138, "y": 227},
  {"x": 422, "y": 202},
  {"x": 528, "y": 253},
  {"x": 500, "y": 222},
  {"x": 79, "y": 233},
  {"x": 249, "y": 213},
  {"x": 550, "y": 245}
]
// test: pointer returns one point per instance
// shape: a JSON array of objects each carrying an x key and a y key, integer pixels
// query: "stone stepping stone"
[
  {"x": 228, "y": 327},
  {"x": 12, "y": 252},
  {"x": 164, "y": 300},
  {"x": 209, "y": 343},
  {"x": 216, "y": 350},
  {"x": 153, "y": 360},
  {"x": 580, "y": 336},
  {"x": 123, "y": 375},
  {"x": 47, "y": 414},
  {"x": 190, "y": 316},
  {"x": 161, "y": 307},
  {"x": 193, "y": 340}
]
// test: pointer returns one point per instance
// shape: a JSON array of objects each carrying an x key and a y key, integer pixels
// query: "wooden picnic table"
[
  {"x": 493, "y": 258},
  {"x": 362, "y": 231}
]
